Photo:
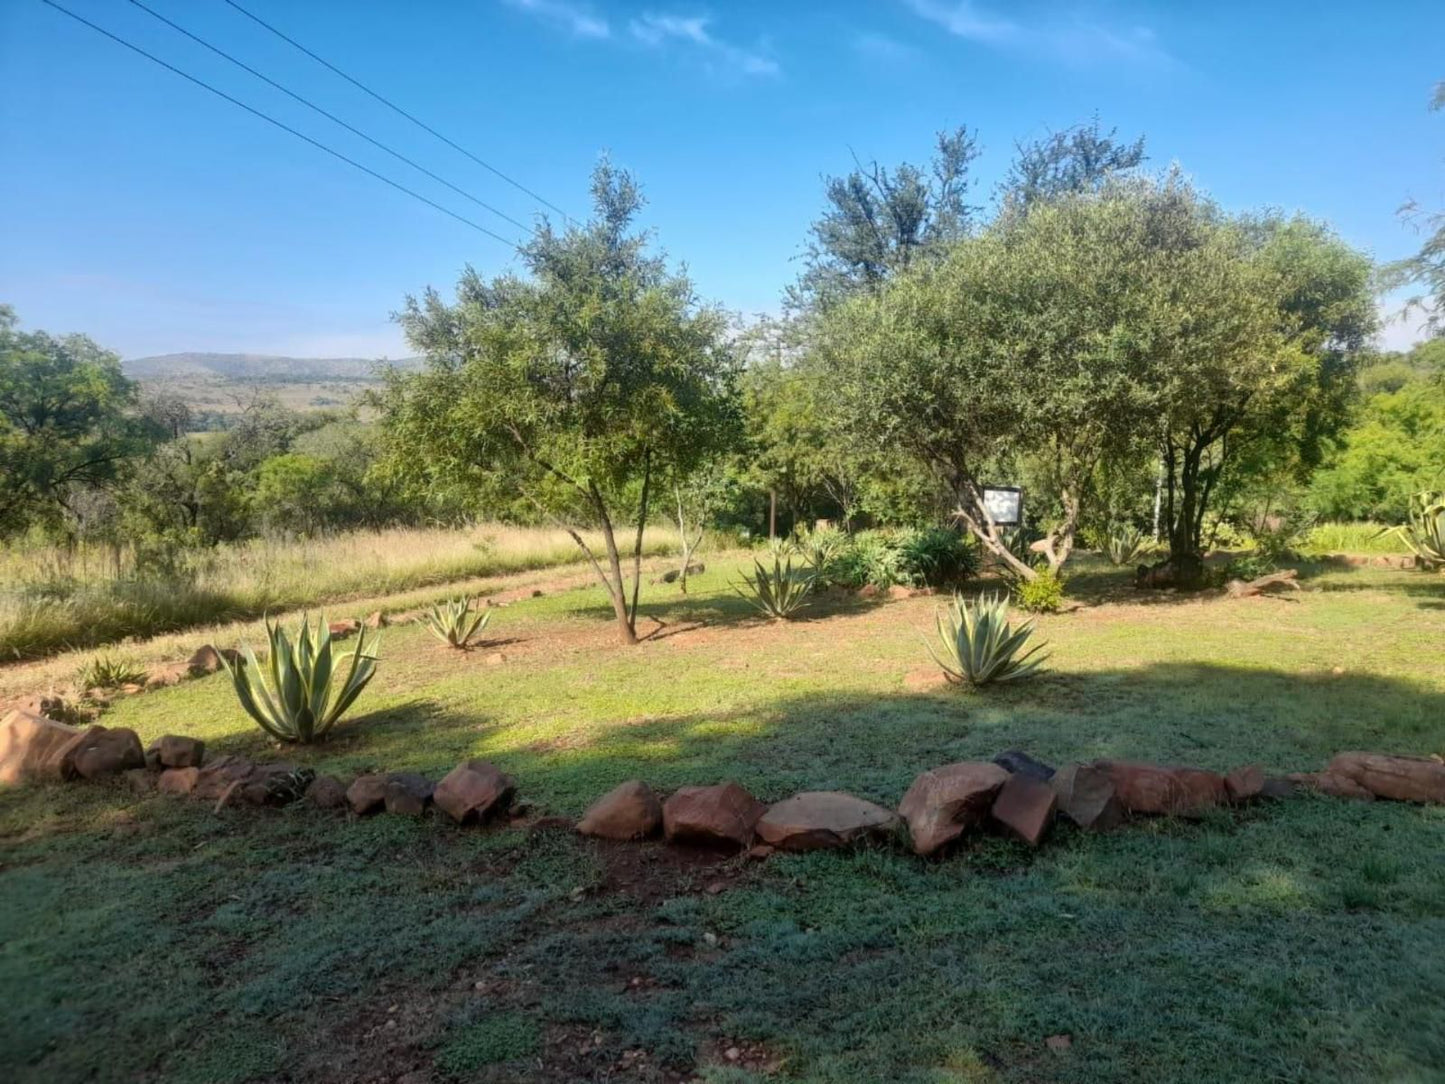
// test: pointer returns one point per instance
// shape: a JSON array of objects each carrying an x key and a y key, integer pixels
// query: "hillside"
[{"x": 250, "y": 368}]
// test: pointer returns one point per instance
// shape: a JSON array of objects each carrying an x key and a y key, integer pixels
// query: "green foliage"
[
  {"x": 1125, "y": 544},
  {"x": 66, "y": 422},
  {"x": 109, "y": 672},
  {"x": 311, "y": 684},
  {"x": 578, "y": 390},
  {"x": 1041, "y": 594},
  {"x": 937, "y": 557},
  {"x": 780, "y": 591},
  {"x": 501, "y": 1037},
  {"x": 1424, "y": 532},
  {"x": 453, "y": 623},
  {"x": 978, "y": 645},
  {"x": 1250, "y": 566},
  {"x": 868, "y": 557}
]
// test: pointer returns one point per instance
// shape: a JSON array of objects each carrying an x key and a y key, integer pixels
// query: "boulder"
[
  {"x": 340, "y": 630},
  {"x": 1025, "y": 807},
  {"x": 628, "y": 811},
  {"x": 178, "y": 780},
  {"x": 220, "y": 776},
  {"x": 367, "y": 794},
  {"x": 723, "y": 815},
  {"x": 408, "y": 793},
  {"x": 177, "y": 751},
  {"x": 100, "y": 751},
  {"x": 1336, "y": 786},
  {"x": 1403, "y": 779},
  {"x": 1017, "y": 762},
  {"x": 945, "y": 802},
  {"x": 474, "y": 791},
  {"x": 1154, "y": 789},
  {"x": 1085, "y": 795},
  {"x": 1245, "y": 783},
  {"x": 140, "y": 780},
  {"x": 207, "y": 660},
  {"x": 34, "y": 747},
  {"x": 823, "y": 819},
  {"x": 375, "y": 620},
  {"x": 47, "y": 705},
  {"x": 326, "y": 792},
  {"x": 1278, "y": 788}
]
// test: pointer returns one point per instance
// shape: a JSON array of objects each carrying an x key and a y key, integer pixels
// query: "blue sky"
[{"x": 156, "y": 218}]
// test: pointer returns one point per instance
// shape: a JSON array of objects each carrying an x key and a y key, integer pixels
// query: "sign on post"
[{"x": 1005, "y": 505}]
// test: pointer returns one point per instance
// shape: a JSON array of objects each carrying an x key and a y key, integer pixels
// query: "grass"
[
  {"x": 146, "y": 938},
  {"x": 54, "y": 600},
  {"x": 1353, "y": 538}
]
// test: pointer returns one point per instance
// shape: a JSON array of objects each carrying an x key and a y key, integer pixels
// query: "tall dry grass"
[{"x": 52, "y": 600}]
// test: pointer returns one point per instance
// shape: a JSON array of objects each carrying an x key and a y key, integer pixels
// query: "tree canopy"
[{"x": 579, "y": 389}]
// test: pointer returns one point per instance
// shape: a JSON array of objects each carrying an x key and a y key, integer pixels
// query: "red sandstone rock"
[
  {"x": 1025, "y": 806},
  {"x": 474, "y": 790},
  {"x": 326, "y": 792},
  {"x": 367, "y": 794},
  {"x": 178, "y": 781},
  {"x": 1403, "y": 779},
  {"x": 944, "y": 802},
  {"x": 34, "y": 747},
  {"x": 1336, "y": 786},
  {"x": 1245, "y": 783},
  {"x": 817, "y": 820},
  {"x": 1086, "y": 796},
  {"x": 100, "y": 751},
  {"x": 721, "y": 815},
  {"x": 177, "y": 751},
  {"x": 629, "y": 811},
  {"x": 1151, "y": 788}
]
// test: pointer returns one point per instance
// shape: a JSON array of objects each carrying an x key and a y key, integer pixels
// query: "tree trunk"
[
  {"x": 772, "y": 514},
  {"x": 613, "y": 580},
  {"x": 975, "y": 517},
  {"x": 637, "y": 545}
]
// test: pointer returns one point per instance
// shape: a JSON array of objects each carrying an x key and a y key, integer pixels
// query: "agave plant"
[
  {"x": 1124, "y": 544},
  {"x": 452, "y": 622},
  {"x": 311, "y": 683},
  {"x": 979, "y": 646},
  {"x": 780, "y": 591},
  {"x": 1425, "y": 533},
  {"x": 108, "y": 672}
]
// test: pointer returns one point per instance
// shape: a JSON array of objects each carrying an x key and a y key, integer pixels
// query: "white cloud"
[
  {"x": 1077, "y": 41},
  {"x": 576, "y": 19},
  {"x": 660, "y": 31}
]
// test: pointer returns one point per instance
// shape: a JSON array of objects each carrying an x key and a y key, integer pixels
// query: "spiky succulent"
[
  {"x": 310, "y": 686},
  {"x": 108, "y": 672},
  {"x": 780, "y": 591},
  {"x": 977, "y": 645},
  {"x": 1124, "y": 544},
  {"x": 1425, "y": 532},
  {"x": 452, "y": 622}
]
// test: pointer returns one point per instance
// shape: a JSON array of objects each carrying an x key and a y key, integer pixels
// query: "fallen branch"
[{"x": 1275, "y": 581}]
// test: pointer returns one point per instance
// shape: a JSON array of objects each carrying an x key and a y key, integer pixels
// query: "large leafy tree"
[
  {"x": 67, "y": 421},
  {"x": 584, "y": 389},
  {"x": 1079, "y": 159},
  {"x": 1029, "y": 340}
]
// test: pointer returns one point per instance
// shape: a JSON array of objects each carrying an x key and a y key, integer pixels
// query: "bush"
[
  {"x": 1044, "y": 594},
  {"x": 304, "y": 699},
  {"x": 978, "y": 646},
  {"x": 106, "y": 672},
  {"x": 937, "y": 557},
  {"x": 1425, "y": 532},
  {"x": 1250, "y": 566},
  {"x": 869, "y": 557}
]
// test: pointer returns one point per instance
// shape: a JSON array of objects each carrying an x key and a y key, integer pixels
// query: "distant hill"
[{"x": 259, "y": 368}]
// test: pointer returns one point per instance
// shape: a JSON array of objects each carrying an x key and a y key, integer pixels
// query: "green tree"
[
  {"x": 1079, "y": 159},
  {"x": 582, "y": 388},
  {"x": 879, "y": 221},
  {"x": 67, "y": 421}
]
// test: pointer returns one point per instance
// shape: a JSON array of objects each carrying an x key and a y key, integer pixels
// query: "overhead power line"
[
  {"x": 279, "y": 124},
  {"x": 398, "y": 109},
  {"x": 329, "y": 116}
]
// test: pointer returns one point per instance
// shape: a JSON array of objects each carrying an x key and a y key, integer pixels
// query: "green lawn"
[{"x": 149, "y": 939}]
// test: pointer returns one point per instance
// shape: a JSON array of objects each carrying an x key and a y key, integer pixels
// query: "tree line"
[{"x": 1108, "y": 338}]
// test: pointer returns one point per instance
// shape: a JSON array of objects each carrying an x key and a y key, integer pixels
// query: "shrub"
[
  {"x": 820, "y": 548},
  {"x": 1250, "y": 566},
  {"x": 304, "y": 698},
  {"x": 870, "y": 557},
  {"x": 452, "y": 622},
  {"x": 106, "y": 672},
  {"x": 937, "y": 557},
  {"x": 780, "y": 591},
  {"x": 1425, "y": 531},
  {"x": 1044, "y": 594},
  {"x": 977, "y": 645}
]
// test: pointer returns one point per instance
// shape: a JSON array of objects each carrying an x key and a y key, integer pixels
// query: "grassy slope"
[{"x": 1296, "y": 941}]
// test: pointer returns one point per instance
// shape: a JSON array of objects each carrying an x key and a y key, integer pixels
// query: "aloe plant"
[
  {"x": 311, "y": 684},
  {"x": 452, "y": 622},
  {"x": 977, "y": 645},
  {"x": 1124, "y": 544},
  {"x": 1425, "y": 532},
  {"x": 779, "y": 592}
]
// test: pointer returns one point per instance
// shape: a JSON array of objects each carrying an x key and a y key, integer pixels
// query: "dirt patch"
[{"x": 650, "y": 873}]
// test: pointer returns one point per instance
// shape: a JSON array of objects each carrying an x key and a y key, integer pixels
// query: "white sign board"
[{"x": 1005, "y": 505}]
